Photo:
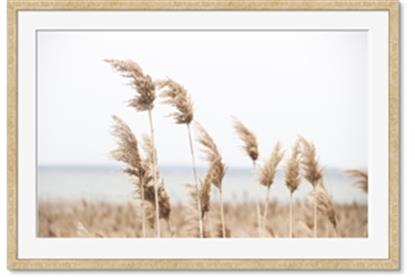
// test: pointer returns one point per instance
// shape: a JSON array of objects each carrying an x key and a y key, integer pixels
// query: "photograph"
[{"x": 176, "y": 134}]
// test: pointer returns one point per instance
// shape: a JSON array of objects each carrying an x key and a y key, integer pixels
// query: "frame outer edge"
[
  {"x": 203, "y": 4},
  {"x": 11, "y": 136},
  {"x": 394, "y": 137},
  {"x": 393, "y": 262}
]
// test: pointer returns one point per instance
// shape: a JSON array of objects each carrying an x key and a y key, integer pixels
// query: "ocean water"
[{"x": 104, "y": 183}]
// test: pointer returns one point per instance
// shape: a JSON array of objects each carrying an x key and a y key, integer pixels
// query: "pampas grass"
[
  {"x": 140, "y": 82},
  {"x": 205, "y": 188},
  {"x": 216, "y": 169},
  {"x": 266, "y": 177},
  {"x": 177, "y": 96},
  {"x": 361, "y": 178},
  {"x": 199, "y": 197},
  {"x": 312, "y": 171},
  {"x": 152, "y": 176},
  {"x": 250, "y": 146},
  {"x": 326, "y": 206},
  {"x": 128, "y": 153},
  {"x": 248, "y": 138},
  {"x": 293, "y": 178},
  {"x": 142, "y": 101},
  {"x": 199, "y": 219},
  {"x": 143, "y": 170}
]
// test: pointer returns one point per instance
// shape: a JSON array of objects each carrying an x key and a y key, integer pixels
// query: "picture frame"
[{"x": 19, "y": 130}]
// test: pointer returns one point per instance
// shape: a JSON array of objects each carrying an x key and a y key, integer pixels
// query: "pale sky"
[{"x": 280, "y": 84}]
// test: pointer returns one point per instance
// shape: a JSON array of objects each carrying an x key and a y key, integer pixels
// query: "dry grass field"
[{"x": 88, "y": 219}]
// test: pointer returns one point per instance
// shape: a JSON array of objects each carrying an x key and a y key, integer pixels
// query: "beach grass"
[{"x": 103, "y": 219}]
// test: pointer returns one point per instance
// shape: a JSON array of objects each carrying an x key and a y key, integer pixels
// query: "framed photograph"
[{"x": 203, "y": 134}]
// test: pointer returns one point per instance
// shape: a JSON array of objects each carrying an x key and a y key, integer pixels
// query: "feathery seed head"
[
  {"x": 150, "y": 168},
  {"x": 163, "y": 199},
  {"x": 292, "y": 170},
  {"x": 361, "y": 178},
  {"x": 312, "y": 171},
  {"x": 177, "y": 96},
  {"x": 141, "y": 169},
  {"x": 325, "y": 204},
  {"x": 216, "y": 169},
  {"x": 248, "y": 138},
  {"x": 203, "y": 194},
  {"x": 269, "y": 169},
  {"x": 127, "y": 150},
  {"x": 142, "y": 83},
  {"x": 205, "y": 185}
]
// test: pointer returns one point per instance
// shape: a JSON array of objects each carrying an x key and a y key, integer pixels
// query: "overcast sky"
[{"x": 280, "y": 84}]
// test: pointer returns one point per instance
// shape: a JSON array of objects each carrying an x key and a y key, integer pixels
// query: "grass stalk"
[
  {"x": 143, "y": 211},
  {"x": 315, "y": 216},
  {"x": 267, "y": 176},
  {"x": 264, "y": 219},
  {"x": 154, "y": 173},
  {"x": 293, "y": 179},
  {"x": 291, "y": 216},
  {"x": 326, "y": 206},
  {"x": 222, "y": 215},
  {"x": 215, "y": 172},
  {"x": 199, "y": 206},
  {"x": 258, "y": 207}
]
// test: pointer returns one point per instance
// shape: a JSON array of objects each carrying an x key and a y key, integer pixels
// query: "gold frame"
[{"x": 393, "y": 262}]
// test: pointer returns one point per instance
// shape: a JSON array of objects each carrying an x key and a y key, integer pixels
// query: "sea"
[{"x": 110, "y": 184}]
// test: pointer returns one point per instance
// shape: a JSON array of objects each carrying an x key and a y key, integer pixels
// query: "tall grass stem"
[
  {"x": 291, "y": 215},
  {"x": 199, "y": 206},
  {"x": 154, "y": 161},
  {"x": 258, "y": 207},
  {"x": 264, "y": 219},
  {"x": 222, "y": 215}
]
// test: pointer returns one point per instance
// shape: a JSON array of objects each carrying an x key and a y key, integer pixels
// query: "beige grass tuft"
[
  {"x": 312, "y": 171},
  {"x": 212, "y": 155},
  {"x": 251, "y": 148},
  {"x": 269, "y": 168},
  {"x": 143, "y": 169},
  {"x": 142, "y": 83},
  {"x": 326, "y": 205},
  {"x": 361, "y": 177},
  {"x": 216, "y": 170},
  {"x": 151, "y": 177},
  {"x": 128, "y": 153},
  {"x": 142, "y": 101},
  {"x": 205, "y": 188},
  {"x": 198, "y": 197},
  {"x": 248, "y": 138},
  {"x": 176, "y": 95},
  {"x": 163, "y": 200},
  {"x": 292, "y": 170},
  {"x": 266, "y": 177},
  {"x": 293, "y": 178}
]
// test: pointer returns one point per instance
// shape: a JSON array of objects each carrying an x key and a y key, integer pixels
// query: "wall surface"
[{"x": 407, "y": 163}]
